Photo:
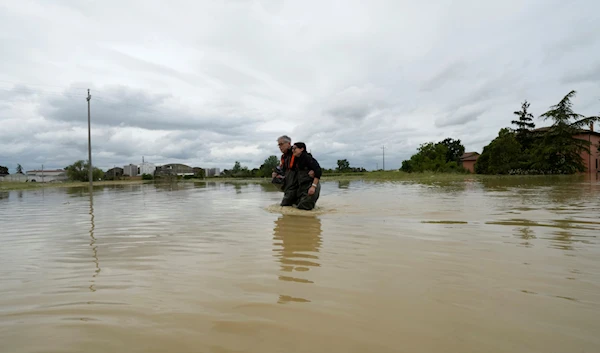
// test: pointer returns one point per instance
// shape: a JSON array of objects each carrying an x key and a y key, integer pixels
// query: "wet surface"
[{"x": 509, "y": 265}]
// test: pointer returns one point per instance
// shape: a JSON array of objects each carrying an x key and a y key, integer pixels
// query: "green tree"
[
  {"x": 343, "y": 165},
  {"x": 3, "y": 170},
  {"x": 559, "y": 151},
  {"x": 501, "y": 156},
  {"x": 524, "y": 126},
  {"x": 267, "y": 167},
  {"x": 455, "y": 149},
  {"x": 238, "y": 171},
  {"x": 431, "y": 157},
  {"x": 443, "y": 156},
  {"x": 19, "y": 169},
  {"x": 78, "y": 171},
  {"x": 236, "y": 167}
]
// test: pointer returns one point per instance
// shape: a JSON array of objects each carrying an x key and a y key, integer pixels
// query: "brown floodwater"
[{"x": 508, "y": 265}]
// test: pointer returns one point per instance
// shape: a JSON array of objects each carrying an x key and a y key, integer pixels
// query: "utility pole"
[
  {"x": 89, "y": 97},
  {"x": 383, "y": 157}
]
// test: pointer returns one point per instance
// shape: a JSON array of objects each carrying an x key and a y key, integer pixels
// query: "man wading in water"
[{"x": 298, "y": 175}]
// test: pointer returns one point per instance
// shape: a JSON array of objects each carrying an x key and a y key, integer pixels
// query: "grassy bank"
[
  {"x": 12, "y": 185},
  {"x": 408, "y": 177}
]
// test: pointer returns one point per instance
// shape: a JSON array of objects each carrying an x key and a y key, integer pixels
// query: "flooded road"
[{"x": 509, "y": 265}]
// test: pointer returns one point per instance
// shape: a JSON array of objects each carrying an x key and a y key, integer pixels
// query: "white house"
[
  {"x": 131, "y": 170},
  {"x": 212, "y": 172},
  {"x": 147, "y": 168},
  {"x": 46, "y": 176}
]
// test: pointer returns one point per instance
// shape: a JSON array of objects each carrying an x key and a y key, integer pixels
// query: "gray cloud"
[
  {"x": 207, "y": 84},
  {"x": 462, "y": 116},
  {"x": 122, "y": 106},
  {"x": 355, "y": 103},
  {"x": 451, "y": 72},
  {"x": 586, "y": 74}
]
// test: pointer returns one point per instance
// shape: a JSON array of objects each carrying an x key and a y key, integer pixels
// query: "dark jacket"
[{"x": 303, "y": 164}]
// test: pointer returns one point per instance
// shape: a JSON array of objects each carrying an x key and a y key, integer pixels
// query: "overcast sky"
[{"x": 207, "y": 83}]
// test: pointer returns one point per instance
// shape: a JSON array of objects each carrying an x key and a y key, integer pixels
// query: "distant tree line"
[
  {"x": 443, "y": 157},
  {"x": 551, "y": 150},
  {"x": 4, "y": 170},
  {"x": 265, "y": 170},
  {"x": 519, "y": 150}
]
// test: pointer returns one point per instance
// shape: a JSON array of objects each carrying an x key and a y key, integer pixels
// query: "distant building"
[
  {"x": 113, "y": 174},
  {"x": 179, "y": 169},
  {"x": 147, "y": 168},
  {"x": 468, "y": 160},
  {"x": 131, "y": 170},
  {"x": 47, "y": 176},
  {"x": 210, "y": 172},
  {"x": 198, "y": 172},
  {"x": 590, "y": 159}
]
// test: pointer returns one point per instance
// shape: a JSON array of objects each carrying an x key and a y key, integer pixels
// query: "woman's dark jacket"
[{"x": 302, "y": 165}]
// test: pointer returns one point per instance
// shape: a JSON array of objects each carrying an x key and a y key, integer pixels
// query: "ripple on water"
[{"x": 290, "y": 210}]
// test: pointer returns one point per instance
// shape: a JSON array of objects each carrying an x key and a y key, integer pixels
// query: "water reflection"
[
  {"x": 4, "y": 195},
  {"x": 562, "y": 240},
  {"x": 93, "y": 242},
  {"x": 297, "y": 241},
  {"x": 343, "y": 184},
  {"x": 168, "y": 185},
  {"x": 269, "y": 187},
  {"x": 236, "y": 186},
  {"x": 526, "y": 233}
]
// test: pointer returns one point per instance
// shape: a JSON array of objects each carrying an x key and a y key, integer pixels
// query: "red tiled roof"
[
  {"x": 469, "y": 156},
  {"x": 580, "y": 131}
]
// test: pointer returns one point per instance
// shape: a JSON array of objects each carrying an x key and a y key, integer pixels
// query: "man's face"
[{"x": 283, "y": 146}]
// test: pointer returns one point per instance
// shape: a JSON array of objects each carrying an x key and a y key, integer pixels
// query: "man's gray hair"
[{"x": 285, "y": 138}]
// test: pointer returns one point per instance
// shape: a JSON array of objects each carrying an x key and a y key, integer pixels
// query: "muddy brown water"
[{"x": 494, "y": 266}]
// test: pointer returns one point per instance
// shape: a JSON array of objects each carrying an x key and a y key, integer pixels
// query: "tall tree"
[
  {"x": 267, "y": 167},
  {"x": 343, "y": 165},
  {"x": 524, "y": 126},
  {"x": 236, "y": 167},
  {"x": 501, "y": 156},
  {"x": 559, "y": 151},
  {"x": 19, "y": 169},
  {"x": 431, "y": 157},
  {"x": 455, "y": 149},
  {"x": 78, "y": 171},
  {"x": 3, "y": 170}
]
